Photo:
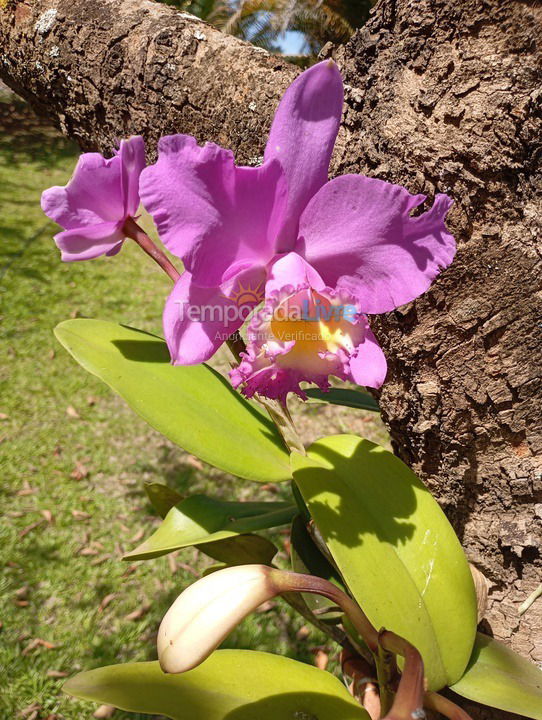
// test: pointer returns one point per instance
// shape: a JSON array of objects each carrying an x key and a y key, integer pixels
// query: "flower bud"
[{"x": 207, "y": 611}]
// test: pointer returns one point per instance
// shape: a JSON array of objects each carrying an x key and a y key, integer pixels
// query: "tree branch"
[{"x": 107, "y": 69}]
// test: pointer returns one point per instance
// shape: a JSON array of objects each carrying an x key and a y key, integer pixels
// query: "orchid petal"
[
  {"x": 292, "y": 269},
  {"x": 198, "y": 320},
  {"x": 302, "y": 137},
  {"x": 368, "y": 367},
  {"x": 357, "y": 232},
  {"x": 86, "y": 243},
  {"x": 208, "y": 211},
  {"x": 92, "y": 196},
  {"x": 132, "y": 155}
]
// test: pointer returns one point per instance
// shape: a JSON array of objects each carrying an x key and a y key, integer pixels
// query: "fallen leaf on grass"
[
  {"x": 80, "y": 472},
  {"x": 139, "y": 613},
  {"x": 87, "y": 551},
  {"x": 266, "y": 606},
  {"x": 129, "y": 570},
  {"x": 56, "y": 674},
  {"x": 72, "y": 412},
  {"x": 271, "y": 487},
  {"x": 172, "y": 563},
  {"x": 137, "y": 537},
  {"x": 38, "y": 642},
  {"x": 81, "y": 515},
  {"x": 31, "y": 527},
  {"x": 100, "y": 560},
  {"x": 29, "y": 710},
  {"x": 105, "y": 602},
  {"x": 189, "y": 569},
  {"x": 321, "y": 658},
  {"x": 26, "y": 490},
  {"x": 104, "y": 712},
  {"x": 48, "y": 515}
]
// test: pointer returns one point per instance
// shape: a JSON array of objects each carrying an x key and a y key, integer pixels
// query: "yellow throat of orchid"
[{"x": 317, "y": 325}]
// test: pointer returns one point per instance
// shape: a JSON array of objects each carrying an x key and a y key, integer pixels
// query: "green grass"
[{"x": 68, "y": 444}]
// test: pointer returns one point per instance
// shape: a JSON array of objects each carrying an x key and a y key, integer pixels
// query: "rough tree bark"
[{"x": 441, "y": 96}]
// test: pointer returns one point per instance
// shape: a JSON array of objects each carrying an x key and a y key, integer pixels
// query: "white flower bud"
[{"x": 207, "y": 611}]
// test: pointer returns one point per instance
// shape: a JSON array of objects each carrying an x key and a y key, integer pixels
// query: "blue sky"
[{"x": 292, "y": 42}]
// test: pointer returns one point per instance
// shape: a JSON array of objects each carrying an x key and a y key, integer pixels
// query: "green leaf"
[
  {"x": 344, "y": 396},
  {"x": 394, "y": 547},
  {"x": 193, "y": 406},
  {"x": 161, "y": 497},
  {"x": 236, "y": 550},
  {"x": 230, "y": 685},
  {"x": 306, "y": 558},
  {"x": 241, "y": 550},
  {"x": 200, "y": 519},
  {"x": 499, "y": 677}
]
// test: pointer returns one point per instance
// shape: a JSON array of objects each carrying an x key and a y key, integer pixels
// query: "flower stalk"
[
  {"x": 408, "y": 702},
  {"x": 280, "y": 415},
  {"x": 132, "y": 230},
  {"x": 297, "y": 582},
  {"x": 434, "y": 701}
]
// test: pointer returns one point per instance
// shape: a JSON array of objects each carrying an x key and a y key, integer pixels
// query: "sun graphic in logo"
[{"x": 247, "y": 295}]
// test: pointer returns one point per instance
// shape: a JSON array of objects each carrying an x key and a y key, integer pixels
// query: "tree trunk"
[{"x": 441, "y": 96}]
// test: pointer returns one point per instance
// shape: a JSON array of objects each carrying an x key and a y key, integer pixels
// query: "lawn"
[{"x": 74, "y": 458}]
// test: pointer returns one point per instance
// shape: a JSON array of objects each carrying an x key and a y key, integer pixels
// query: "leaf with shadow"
[
  {"x": 344, "y": 396},
  {"x": 229, "y": 685},
  {"x": 161, "y": 497},
  {"x": 200, "y": 520},
  {"x": 194, "y": 406},
  {"x": 394, "y": 547},
  {"x": 499, "y": 677},
  {"x": 306, "y": 558}
]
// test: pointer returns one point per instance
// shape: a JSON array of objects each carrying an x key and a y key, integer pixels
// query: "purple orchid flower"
[
  {"x": 285, "y": 226},
  {"x": 94, "y": 206}
]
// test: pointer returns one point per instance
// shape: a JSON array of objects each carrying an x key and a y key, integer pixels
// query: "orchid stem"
[
  {"x": 408, "y": 702},
  {"x": 280, "y": 415},
  {"x": 385, "y": 667},
  {"x": 442, "y": 705},
  {"x": 132, "y": 230},
  {"x": 297, "y": 603},
  {"x": 297, "y": 582}
]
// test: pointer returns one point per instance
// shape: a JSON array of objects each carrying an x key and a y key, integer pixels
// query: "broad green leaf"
[
  {"x": 200, "y": 519},
  {"x": 499, "y": 677},
  {"x": 241, "y": 550},
  {"x": 344, "y": 396},
  {"x": 394, "y": 547},
  {"x": 230, "y": 685},
  {"x": 236, "y": 550},
  {"x": 161, "y": 497},
  {"x": 193, "y": 406},
  {"x": 306, "y": 558}
]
